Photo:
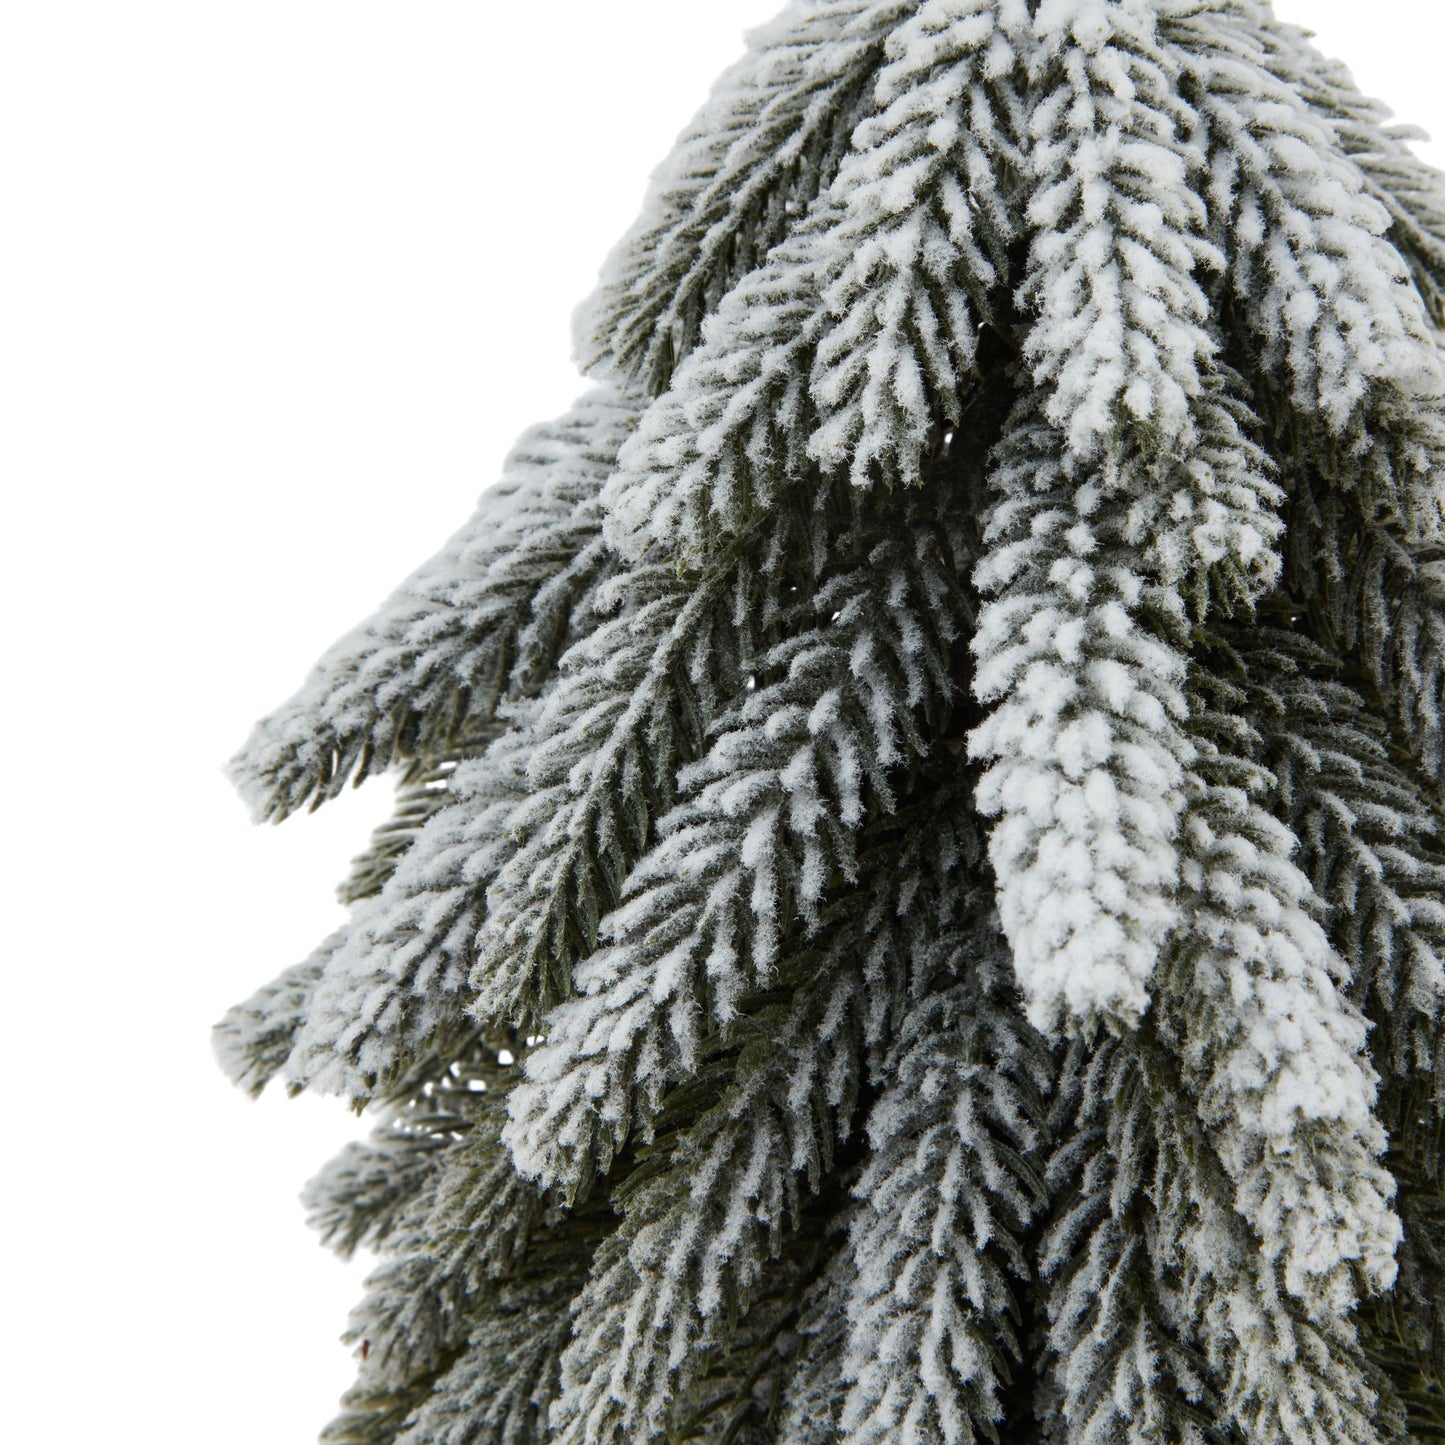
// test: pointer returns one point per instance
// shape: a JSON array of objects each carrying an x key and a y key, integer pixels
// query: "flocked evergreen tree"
[{"x": 917, "y": 901}]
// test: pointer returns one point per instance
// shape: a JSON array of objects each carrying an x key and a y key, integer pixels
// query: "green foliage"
[{"x": 915, "y": 909}]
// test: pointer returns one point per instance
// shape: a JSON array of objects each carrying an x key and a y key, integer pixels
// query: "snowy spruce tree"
[{"x": 916, "y": 904}]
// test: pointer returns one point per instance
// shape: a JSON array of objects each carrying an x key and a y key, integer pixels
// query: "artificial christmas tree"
[{"x": 916, "y": 906}]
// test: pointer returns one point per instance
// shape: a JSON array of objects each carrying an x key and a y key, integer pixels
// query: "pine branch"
[
  {"x": 371, "y": 1188},
  {"x": 861, "y": 297},
  {"x": 947, "y": 1193},
  {"x": 421, "y": 792},
  {"x": 496, "y": 1388},
  {"x": 1159, "y": 1293},
  {"x": 1369, "y": 841},
  {"x": 627, "y": 713},
  {"x": 362, "y": 1196},
  {"x": 1411, "y": 191},
  {"x": 1253, "y": 1001},
  {"x": 1118, "y": 234},
  {"x": 1077, "y": 652},
  {"x": 729, "y": 438},
  {"x": 741, "y": 1146},
  {"x": 1118, "y": 1256},
  {"x": 473, "y": 1264},
  {"x": 706, "y": 1212},
  {"x": 735, "y": 1392},
  {"x": 444, "y": 649},
  {"x": 1318, "y": 282},
  {"x": 813, "y": 1395},
  {"x": 394, "y": 993},
  {"x": 767, "y": 821},
  {"x": 1404, "y": 1328},
  {"x": 919, "y": 253},
  {"x": 501, "y": 1385},
  {"x": 376, "y": 1416},
  {"x": 1401, "y": 634},
  {"x": 750, "y": 164},
  {"x": 1378, "y": 595},
  {"x": 1206, "y": 520},
  {"x": 254, "y": 1039}
]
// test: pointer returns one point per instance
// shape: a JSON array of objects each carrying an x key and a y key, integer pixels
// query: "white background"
[{"x": 279, "y": 283}]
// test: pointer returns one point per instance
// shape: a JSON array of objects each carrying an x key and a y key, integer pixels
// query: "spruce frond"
[
  {"x": 1085, "y": 743},
  {"x": 750, "y": 1136},
  {"x": 765, "y": 826},
  {"x": 603, "y": 1071},
  {"x": 1119, "y": 333},
  {"x": 501, "y": 1385},
  {"x": 1411, "y": 191},
  {"x": 735, "y": 1392},
  {"x": 813, "y": 1395},
  {"x": 748, "y": 166},
  {"x": 1375, "y": 594},
  {"x": 1160, "y": 1297},
  {"x": 1126, "y": 1366},
  {"x": 440, "y": 1266},
  {"x": 729, "y": 438},
  {"x": 1368, "y": 839},
  {"x": 1323, "y": 295},
  {"x": 394, "y": 992},
  {"x": 442, "y": 651},
  {"x": 255, "y": 1038},
  {"x": 421, "y": 792},
  {"x": 1253, "y": 998},
  {"x": 1404, "y": 1328},
  {"x": 919, "y": 254},
  {"x": 707, "y": 1210},
  {"x": 945, "y": 1198},
  {"x": 627, "y": 712}
]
